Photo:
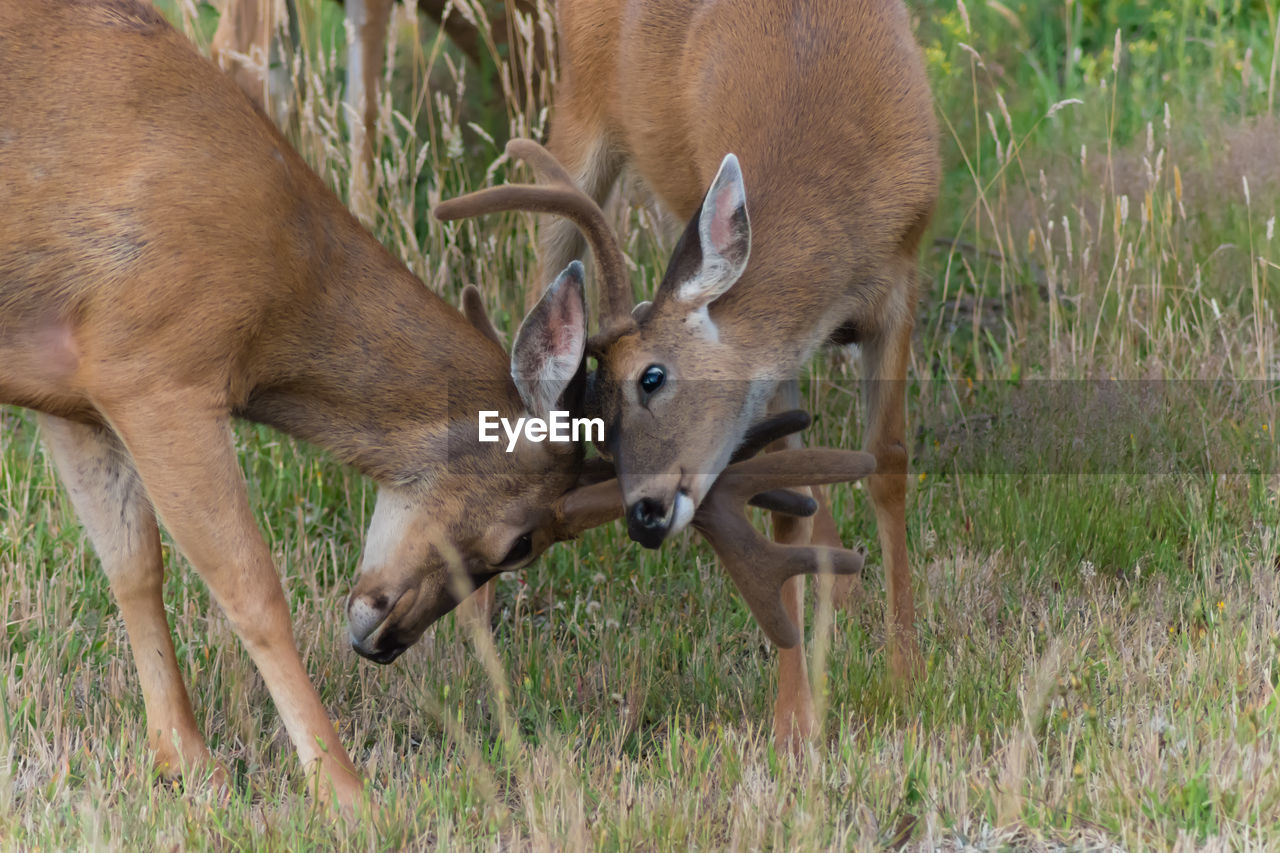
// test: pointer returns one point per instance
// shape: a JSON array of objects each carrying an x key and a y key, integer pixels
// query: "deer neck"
[{"x": 374, "y": 367}]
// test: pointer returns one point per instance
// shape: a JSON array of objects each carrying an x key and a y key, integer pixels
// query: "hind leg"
[
  {"x": 368, "y": 20},
  {"x": 245, "y": 46},
  {"x": 112, "y": 506}
]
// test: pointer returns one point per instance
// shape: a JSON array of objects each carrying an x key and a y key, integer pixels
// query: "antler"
[
  {"x": 556, "y": 194},
  {"x": 757, "y": 566}
]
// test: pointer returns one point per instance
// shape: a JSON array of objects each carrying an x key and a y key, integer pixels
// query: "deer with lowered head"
[
  {"x": 797, "y": 139},
  {"x": 168, "y": 263}
]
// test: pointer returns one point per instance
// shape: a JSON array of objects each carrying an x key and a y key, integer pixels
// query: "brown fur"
[
  {"x": 826, "y": 105},
  {"x": 167, "y": 261}
]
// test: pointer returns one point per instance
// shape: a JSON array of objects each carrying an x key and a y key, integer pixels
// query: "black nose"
[
  {"x": 369, "y": 636},
  {"x": 383, "y": 654},
  {"x": 647, "y": 522}
]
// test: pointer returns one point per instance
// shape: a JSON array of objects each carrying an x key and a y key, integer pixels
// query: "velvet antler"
[
  {"x": 757, "y": 565},
  {"x": 558, "y": 194}
]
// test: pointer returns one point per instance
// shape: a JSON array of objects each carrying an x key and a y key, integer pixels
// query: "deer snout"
[
  {"x": 650, "y": 521},
  {"x": 372, "y": 621}
]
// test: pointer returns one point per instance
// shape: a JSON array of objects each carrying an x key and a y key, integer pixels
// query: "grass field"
[{"x": 1094, "y": 516}]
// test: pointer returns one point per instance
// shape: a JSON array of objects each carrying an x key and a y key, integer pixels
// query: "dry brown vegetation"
[{"x": 1102, "y": 647}]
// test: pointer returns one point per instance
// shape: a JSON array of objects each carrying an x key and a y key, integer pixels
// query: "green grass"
[{"x": 1101, "y": 641}]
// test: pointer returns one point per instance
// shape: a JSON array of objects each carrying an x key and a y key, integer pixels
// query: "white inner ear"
[
  {"x": 719, "y": 272},
  {"x": 711, "y": 282},
  {"x": 549, "y": 345},
  {"x": 541, "y": 391}
]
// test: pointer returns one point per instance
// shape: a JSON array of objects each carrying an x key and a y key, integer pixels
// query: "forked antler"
[
  {"x": 558, "y": 194},
  {"x": 757, "y": 565}
]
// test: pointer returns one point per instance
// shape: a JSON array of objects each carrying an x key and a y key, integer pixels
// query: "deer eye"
[
  {"x": 519, "y": 550},
  {"x": 652, "y": 379}
]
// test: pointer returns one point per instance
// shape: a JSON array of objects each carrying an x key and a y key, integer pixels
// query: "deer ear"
[
  {"x": 473, "y": 310},
  {"x": 550, "y": 344},
  {"x": 713, "y": 252}
]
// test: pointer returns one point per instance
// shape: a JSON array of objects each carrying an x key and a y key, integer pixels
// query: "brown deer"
[
  {"x": 816, "y": 117},
  {"x": 169, "y": 262}
]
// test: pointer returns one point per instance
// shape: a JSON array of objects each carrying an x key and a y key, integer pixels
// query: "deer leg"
[
  {"x": 825, "y": 532},
  {"x": 885, "y": 355},
  {"x": 182, "y": 449},
  {"x": 112, "y": 506},
  {"x": 369, "y": 20},
  {"x": 794, "y": 718}
]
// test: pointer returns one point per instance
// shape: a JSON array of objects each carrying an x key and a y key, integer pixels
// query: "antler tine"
[
  {"x": 759, "y": 437},
  {"x": 599, "y": 499},
  {"x": 758, "y": 566},
  {"x": 586, "y": 507},
  {"x": 546, "y": 167},
  {"x": 561, "y": 196},
  {"x": 770, "y": 430}
]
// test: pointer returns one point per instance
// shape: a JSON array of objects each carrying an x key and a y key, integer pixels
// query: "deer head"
[
  {"x": 674, "y": 368},
  {"x": 757, "y": 566},
  {"x": 488, "y": 507},
  {"x": 677, "y": 390},
  {"x": 489, "y": 511},
  {"x": 665, "y": 369}
]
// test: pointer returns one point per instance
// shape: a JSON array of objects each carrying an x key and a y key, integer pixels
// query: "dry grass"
[{"x": 1101, "y": 645}]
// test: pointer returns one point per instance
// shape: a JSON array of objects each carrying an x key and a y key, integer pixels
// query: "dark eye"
[
  {"x": 652, "y": 378},
  {"x": 519, "y": 551}
]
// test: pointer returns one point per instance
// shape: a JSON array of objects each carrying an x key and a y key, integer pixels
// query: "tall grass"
[{"x": 1101, "y": 643}]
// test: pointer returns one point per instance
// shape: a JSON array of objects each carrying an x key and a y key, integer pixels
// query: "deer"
[
  {"x": 169, "y": 263},
  {"x": 797, "y": 140}
]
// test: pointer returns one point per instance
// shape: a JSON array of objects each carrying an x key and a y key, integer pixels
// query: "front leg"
[
  {"x": 112, "y": 506},
  {"x": 794, "y": 718},
  {"x": 885, "y": 356},
  {"x": 837, "y": 588},
  {"x": 182, "y": 449}
]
